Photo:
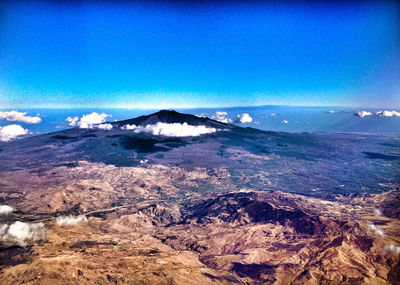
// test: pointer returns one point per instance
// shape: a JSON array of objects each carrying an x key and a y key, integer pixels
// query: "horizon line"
[{"x": 69, "y": 107}]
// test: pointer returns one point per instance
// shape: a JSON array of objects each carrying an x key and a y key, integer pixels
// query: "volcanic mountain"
[
  {"x": 267, "y": 160},
  {"x": 171, "y": 117}
]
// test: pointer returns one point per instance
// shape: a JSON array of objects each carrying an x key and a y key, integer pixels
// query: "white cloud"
[
  {"x": 226, "y": 120},
  {"x": 274, "y": 115},
  {"x": 379, "y": 113},
  {"x": 70, "y": 220},
  {"x": 393, "y": 248},
  {"x": 10, "y": 132},
  {"x": 285, "y": 121},
  {"x": 362, "y": 114},
  {"x": 15, "y": 116},
  {"x": 21, "y": 233},
  {"x": 128, "y": 127},
  {"x": 377, "y": 230},
  {"x": 6, "y": 210},
  {"x": 175, "y": 130},
  {"x": 244, "y": 118},
  {"x": 73, "y": 122},
  {"x": 104, "y": 127},
  {"x": 88, "y": 121},
  {"x": 222, "y": 117},
  {"x": 388, "y": 114},
  {"x": 377, "y": 212}
]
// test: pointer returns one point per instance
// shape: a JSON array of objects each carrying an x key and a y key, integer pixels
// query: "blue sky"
[{"x": 176, "y": 54}]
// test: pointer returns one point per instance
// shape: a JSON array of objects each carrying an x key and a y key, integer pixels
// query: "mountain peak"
[{"x": 171, "y": 117}]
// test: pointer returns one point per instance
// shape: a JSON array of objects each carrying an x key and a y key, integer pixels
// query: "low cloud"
[
  {"x": 244, "y": 118},
  {"x": 392, "y": 248},
  {"x": 388, "y": 114},
  {"x": 376, "y": 230},
  {"x": 11, "y": 132},
  {"x": 285, "y": 122},
  {"x": 377, "y": 212},
  {"x": 6, "y": 210},
  {"x": 385, "y": 113},
  {"x": 175, "y": 130},
  {"x": 362, "y": 114},
  {"x": 22, "y": 234},
  {"x": 15, "y": 116},
  {"x": 64, "y": 221},
  {"x": 222, "y": 117},
  {"x": 226, "y": 121},
  {"x": 104, "y": 127},
  {"x": 73, "y": 122},
  {"x": 128, "y": 127},
  {"x": 89, "y": 121}
]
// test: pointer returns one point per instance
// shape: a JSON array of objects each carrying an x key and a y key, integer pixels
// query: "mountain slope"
[{"x": 170, "y": 117}]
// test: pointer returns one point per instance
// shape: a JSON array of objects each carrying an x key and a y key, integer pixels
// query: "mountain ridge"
[{"x": 170, "y": 117}]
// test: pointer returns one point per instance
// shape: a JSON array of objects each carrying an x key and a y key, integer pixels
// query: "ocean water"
[{"x": 273, "y": 118}]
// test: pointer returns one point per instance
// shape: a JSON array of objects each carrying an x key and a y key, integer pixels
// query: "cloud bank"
[
  {"x": 393, "y": 113},
  {"x": 90, "y": 121},
  {"x": 244, "y": 118},
  {"x": 64, "y": 221},
  {"x": 388, "y": 114},
  {"x": 6, "y": 210},
  {"x": 15, "y": 116},
  {"x": 22, "y": 234},
  {"x": 171, "y": 130},
  {"x": 11, "y": 132}
]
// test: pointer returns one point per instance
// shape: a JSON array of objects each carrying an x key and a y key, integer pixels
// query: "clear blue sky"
[{"x": 176, "y": 54}]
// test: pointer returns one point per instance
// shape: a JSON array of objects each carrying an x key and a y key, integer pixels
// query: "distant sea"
[{"x": 273, "y": 118}]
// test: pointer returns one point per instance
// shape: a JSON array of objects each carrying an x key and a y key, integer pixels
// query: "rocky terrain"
[{"x": 238, "y": 205}]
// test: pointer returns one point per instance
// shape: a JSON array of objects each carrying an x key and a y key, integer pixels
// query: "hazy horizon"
[
  {"x": 269, "y": 118},
  {"x": 65, "y": 107}
]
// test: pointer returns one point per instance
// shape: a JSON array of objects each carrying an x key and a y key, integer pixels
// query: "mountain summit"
[{"x": 170, "y": 117}]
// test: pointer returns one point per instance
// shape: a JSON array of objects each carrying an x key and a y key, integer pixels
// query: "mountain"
[
  {"x": 266, "y": 160},
  {"x": 231, "y": 205},
  {"x": 171, "y": 117}
]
